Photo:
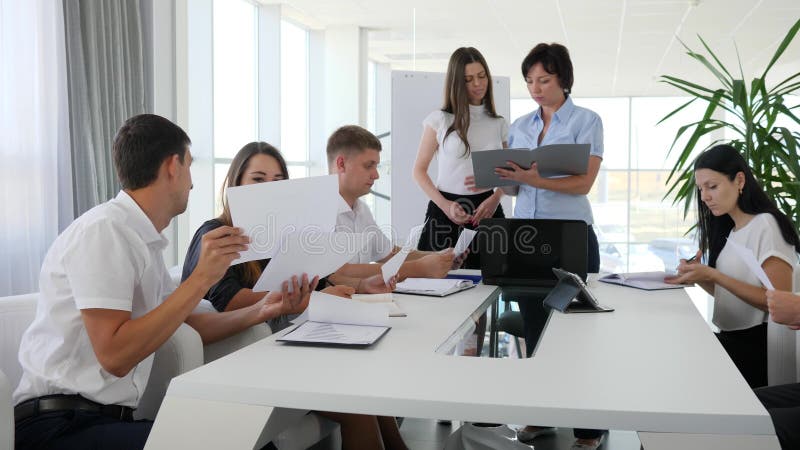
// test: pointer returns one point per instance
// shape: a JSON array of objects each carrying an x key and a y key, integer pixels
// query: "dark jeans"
[
  {"x": 75, "y": 429},
  {"x": 593, "y": 250},
  {"x": 441, "y": 233},
  {"x": 783, "y": 404},
  {"x": 748, "y": 350}
]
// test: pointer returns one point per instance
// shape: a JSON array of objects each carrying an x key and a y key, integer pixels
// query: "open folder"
[
  {"x": 551, "y": 160},
  {"x": 339, "y": 321},
  {"x": 649, "y": 281}
]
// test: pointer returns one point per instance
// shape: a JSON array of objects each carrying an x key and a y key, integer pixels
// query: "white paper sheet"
[
  {"x": 386, "y": 299},
  {"x": 392, "y": 266},
  {"x": 464, "y": 239},
  {"x": 413, "y": 236},
  {"x": 332, "y": 309},
  {"x": 267, "y": 211},
  {"x": 316, "y": 254},
  {"x": 750, "y": 261},
  {"x": 374, "y": 298}
]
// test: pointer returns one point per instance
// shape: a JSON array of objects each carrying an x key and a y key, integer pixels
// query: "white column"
[
  {"x": 317, "y": 128},
  {"x": 345, "y": 77},
  {"x": 195, "y": 108},
  {"x": 383, "y": 100},
  {"x": 269, "y": 74},
  {"x": 383, "y": 123},
  {"x": 161, "y": 15}
]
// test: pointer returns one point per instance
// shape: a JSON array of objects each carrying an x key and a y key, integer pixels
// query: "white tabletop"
[{"x": 652, "y": 365}]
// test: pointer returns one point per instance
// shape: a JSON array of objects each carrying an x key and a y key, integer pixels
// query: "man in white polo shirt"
[
  {"x": 105, "y": 304},
  {"x": 354, "y": 154}
]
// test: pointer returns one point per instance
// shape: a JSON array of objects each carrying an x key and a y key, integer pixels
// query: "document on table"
[
  {"x": 329, "y": 308},
  {"x": 316, "y": 254},
  {"x": 649, "y": 281},
  {"x": 551, "y": 160},
  {"x": 335, "y": 320},
  {"x": 385, "y": 299},
  {"x": 437, "y": 287},
  {"x": 750, "y": 261},
  {"x": 267, "y": 211}
]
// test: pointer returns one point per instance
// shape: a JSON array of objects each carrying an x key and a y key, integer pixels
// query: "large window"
[
  {"x": 236, "y": 89},
  {"x": 235, "y": 83},
  {"x": 638, "y": 229}
]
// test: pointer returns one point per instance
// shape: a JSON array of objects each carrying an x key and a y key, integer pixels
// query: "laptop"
[{"x": 523, "y": 252}]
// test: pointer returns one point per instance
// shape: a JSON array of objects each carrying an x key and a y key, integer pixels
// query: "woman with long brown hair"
[
  {"x": 256, "y": 162},
  {"x": 259, "y": 162},
  {"x": 466, "y": 123}
]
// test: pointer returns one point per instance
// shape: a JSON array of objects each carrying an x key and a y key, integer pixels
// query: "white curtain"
[{"x": 36, "y": 197}]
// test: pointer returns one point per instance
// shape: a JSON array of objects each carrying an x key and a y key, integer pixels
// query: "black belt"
[{"x": 50, "y": 403}]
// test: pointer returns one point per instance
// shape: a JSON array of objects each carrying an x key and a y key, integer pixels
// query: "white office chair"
[{"x": 182, "y": 352}]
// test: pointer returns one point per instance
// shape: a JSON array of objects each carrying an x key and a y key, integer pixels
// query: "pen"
[{"x": 692, "y": 258}]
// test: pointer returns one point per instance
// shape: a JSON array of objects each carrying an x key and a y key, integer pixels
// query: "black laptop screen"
[{"x": 524, "y": 251}]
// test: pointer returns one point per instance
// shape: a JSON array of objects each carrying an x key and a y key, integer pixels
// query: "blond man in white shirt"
[
  {"x": 106, "y": 302},
  {"x": 354, "y": 155}
]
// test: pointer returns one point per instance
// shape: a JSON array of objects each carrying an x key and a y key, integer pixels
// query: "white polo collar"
[{"x": 139, "y": 221}]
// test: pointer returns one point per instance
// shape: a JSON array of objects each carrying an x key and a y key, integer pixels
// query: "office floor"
[{"x": 426, "y": 434}]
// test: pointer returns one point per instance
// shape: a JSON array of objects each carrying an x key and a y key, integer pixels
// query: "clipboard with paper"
[{"x": 336, "y": 321}]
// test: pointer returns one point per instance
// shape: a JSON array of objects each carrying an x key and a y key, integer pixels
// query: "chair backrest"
[
  {"x": 16, "y": 314},
  {"x": 182, "y": 352}
]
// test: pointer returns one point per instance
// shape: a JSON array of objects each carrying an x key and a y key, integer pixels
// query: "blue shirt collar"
[{"x": 562, "y": 114}]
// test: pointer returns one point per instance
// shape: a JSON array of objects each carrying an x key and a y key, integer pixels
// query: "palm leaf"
[
  {"x": 772, "y": 152},
  {"x": 782, "y": 47},
  {"x": 676, "y": 110}
]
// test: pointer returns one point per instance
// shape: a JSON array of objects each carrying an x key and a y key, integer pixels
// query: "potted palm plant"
[{"x": 754, "y": 110}]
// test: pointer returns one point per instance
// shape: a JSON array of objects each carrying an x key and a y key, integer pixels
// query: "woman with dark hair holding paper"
[
  {"x": 547, "y": 70},
  {"x": 733, "y": 211},
  {"x": 256, "y": 162},
  {"x": 467, "y": 122}
]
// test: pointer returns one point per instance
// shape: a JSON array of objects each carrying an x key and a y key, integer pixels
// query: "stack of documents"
[
  {"x": 335, "y": 320},
  {"x": 649, "y": 281},
  {"x": 433, "y": 286}
]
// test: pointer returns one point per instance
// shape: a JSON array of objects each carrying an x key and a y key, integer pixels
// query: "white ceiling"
[{"x": 618, "y": 48}]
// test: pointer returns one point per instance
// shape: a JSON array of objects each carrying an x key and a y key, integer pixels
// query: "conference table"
[{"x": 651, "y": 366}]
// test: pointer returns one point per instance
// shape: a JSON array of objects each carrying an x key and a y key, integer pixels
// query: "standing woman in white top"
[
  {"x": 466, "y": 123},
  {"x": 732, "y": 208}
]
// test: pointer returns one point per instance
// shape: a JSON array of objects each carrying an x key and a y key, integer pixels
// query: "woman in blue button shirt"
[{"x": 548, "y": 72}]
